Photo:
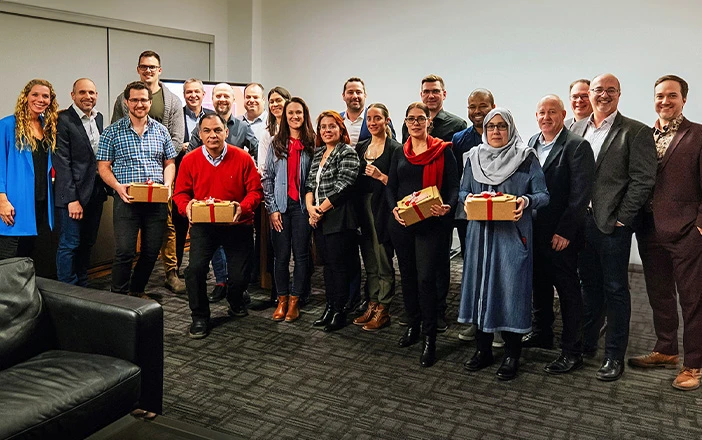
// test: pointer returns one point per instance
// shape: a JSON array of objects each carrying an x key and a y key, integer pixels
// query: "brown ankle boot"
[
  {"x": 282, "y": 309},
  {"x": 381, "y": 319},
  {"x": 363, "y": 319},
  {"x": 293, "y": 309}
]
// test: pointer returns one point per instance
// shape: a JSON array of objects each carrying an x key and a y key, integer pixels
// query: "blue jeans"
[
  {"x": 76, "y": 239},
  {"x": 219, "y": 265},
  {"x": 127, "y": 220},
  {"x": 295, "y": 236},
  {"x": 604, "y": 275}
]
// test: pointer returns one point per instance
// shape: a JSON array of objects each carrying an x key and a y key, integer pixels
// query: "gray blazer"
[
  {"x": 625, "y": 172},
  {"x": 173, "y": 117}
]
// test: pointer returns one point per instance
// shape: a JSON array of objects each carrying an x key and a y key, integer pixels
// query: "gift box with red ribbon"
[
  {"x": 148, "y": 192},
  {"x": 490, "y": 206},
  {"x": 417, "y": 206},
  {"x": 213, "y": 211}
]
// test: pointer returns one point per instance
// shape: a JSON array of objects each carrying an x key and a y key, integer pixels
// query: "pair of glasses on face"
[
  {"x": 610, "y": 91},
  {"x": 583, "y": 97},
  {"x": 144, "y": 68},
  {"x": 502, "y": 126},
  {"x": 410, "y": 120},
  {"x": 135, "y": 101}
]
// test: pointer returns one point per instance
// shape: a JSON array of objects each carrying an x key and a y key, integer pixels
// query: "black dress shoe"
[
  {"x": 508, "y": 369},
  {"x": 325, "y": 318},
  {"x": 246, "y": 297},
  {"x": 410, "y": 337},
  {"x": 537, "y": 340},
  {"x": 480, "y": 360},
  {"x": 337, "y": 322},
  {"x": 610, "y": 370},
  {"x": 428, "y": 357},
  {"x": 218, "y": 293},
  {"x": 564, "y": 364},
  {"x": 198, "y": 329}
]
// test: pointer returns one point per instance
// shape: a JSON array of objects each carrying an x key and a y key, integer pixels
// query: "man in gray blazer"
[
  {"x": 625, "y": 172},
  {"x": 167, "y": 109}
]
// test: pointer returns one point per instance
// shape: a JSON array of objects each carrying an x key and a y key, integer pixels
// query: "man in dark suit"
[
  {"x": 670, "y": 240},
  {"x": 79, "y": 191},
  {"x": 625, "y": 171},
  {"x": 569, "y": 167}
]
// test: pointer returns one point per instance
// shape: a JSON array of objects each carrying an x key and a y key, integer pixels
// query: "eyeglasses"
[
  {"x": 610, "y": 91},
  {"x": 144, "y": 68},
  {"x": 502, "y": 126},
  {"x": 583, "y": 97},
  {"x": 410, "y": 120},
  {"x": 135, "y": 101}
]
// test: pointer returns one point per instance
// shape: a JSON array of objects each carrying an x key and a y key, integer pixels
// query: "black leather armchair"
[{"x": 73, "y": 360}]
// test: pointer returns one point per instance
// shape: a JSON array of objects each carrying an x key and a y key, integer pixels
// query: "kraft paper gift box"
[
  {"x": 417, "y": 206},
  {"x": 490, "y": 206},
  {"x": 213, "y": 211},
  {"x": 148, "y": 192}
]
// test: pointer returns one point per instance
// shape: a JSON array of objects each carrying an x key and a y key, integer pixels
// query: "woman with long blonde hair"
[{"x": 27, "y": 139}]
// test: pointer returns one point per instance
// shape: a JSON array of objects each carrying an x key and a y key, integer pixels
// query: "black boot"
[
  {"x": 428, "y": 356},
  {"x": 337, "y": 322},
  {"x": 325, "y": 318},
  {"x": 410, "y": 337}
]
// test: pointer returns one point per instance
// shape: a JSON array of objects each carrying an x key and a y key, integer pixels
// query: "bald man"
[
  {"x": 625, "y": 172},
  {"x": 569, "y": 167}
]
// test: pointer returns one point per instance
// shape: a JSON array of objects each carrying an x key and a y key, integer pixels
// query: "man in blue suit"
[{"x": 79, "y": 191}]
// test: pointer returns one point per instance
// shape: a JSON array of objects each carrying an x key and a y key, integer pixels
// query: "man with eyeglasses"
[
  {"x": 136, "y": 148},
  {"x": 444, "y": 126},
  {"x": 569, "y": 169},
  {"x": 579, "y": 101},
  {"x": 625, "y": 173},
  {"x": 167, "y": 109},
  {"x": 225, "y": 172},
  {"x": 669, "y": 240}
]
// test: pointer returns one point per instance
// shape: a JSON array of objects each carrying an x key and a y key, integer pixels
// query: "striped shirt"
[
  {"x": 596, "y": 136},
  {"x": 136, "y": 158}
]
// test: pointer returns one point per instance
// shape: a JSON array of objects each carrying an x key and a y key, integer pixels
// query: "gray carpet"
[{"x": 253, "y": 378}]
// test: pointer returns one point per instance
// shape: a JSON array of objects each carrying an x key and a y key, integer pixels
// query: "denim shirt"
[{"x": 274, "y": 178}]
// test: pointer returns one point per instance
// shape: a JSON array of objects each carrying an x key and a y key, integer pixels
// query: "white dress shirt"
[{"x": 90, "y": 126}]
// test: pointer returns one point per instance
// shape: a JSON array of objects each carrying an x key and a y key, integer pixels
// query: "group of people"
[{"x": 582, "y": 187}]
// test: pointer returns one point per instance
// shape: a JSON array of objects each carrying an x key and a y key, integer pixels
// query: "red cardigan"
[{"x": 234, "y": 179}]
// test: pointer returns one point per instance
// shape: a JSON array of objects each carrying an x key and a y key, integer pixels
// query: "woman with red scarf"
[
  {"x": 424, "y": 161},
  {"x": 284, "y": 176}
]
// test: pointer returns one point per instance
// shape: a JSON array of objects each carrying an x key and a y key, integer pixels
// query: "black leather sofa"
[{"x": 73, "y": 360}]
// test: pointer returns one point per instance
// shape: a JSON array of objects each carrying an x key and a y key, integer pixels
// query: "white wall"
[{"x": 520, "y": 50}]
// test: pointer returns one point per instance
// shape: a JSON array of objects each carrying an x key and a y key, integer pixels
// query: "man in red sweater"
[{"x": 224, "y": 172}]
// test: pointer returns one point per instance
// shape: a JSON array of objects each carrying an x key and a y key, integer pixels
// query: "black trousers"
[
  {"x": 205, "y": 239},
  {"x": 23, "y": 246},
  {"x": 421, "y": 254},
  {"x": 336, "y": 252},
  {"x": 513, "y": 343},
  {"x": 559, "y": 270}
]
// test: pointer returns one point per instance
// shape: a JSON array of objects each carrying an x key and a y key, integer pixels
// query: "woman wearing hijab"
[
  {"x": 423, "y": 161},
  {"x": 497, "y": 273}
]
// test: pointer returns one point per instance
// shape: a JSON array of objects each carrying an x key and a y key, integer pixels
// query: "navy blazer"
[
  {"x": 570, "y": 172},
  {"x": 74, "y": 161}
]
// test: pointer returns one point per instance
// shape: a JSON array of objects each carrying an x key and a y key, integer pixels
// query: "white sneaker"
[
  {"x": 467, "y": 333},
  {"x": 498, "y": 342}
]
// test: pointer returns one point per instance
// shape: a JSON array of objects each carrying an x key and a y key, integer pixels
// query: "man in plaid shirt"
[{"x": 136, "y": 148}]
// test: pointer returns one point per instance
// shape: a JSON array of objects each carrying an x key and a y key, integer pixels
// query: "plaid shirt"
[
  {"x": 135, "y": 158},
  {"x": 338, "y": 173}
]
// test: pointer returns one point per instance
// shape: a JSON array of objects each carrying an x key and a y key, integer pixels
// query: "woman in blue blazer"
[
  {"x": 27, "y": 139},
  {"x": 283, "y": 177}
]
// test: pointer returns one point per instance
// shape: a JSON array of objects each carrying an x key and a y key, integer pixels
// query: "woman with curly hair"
[{"x": 27, "y": 139}]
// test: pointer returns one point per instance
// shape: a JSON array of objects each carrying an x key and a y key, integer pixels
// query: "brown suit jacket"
[{"x": 677, "y": 196}]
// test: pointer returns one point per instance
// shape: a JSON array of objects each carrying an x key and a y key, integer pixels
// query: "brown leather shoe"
[
  {"x": 368, "y": 315},
  {"x": 282, "y": 309},
  {"x": 381, "y": 319},
  {"x": 173, "y": 283},
  {"x": 655, "y": 360},
  {"x": 293, "y": 309},
  {"x": 688, "y": 379}
]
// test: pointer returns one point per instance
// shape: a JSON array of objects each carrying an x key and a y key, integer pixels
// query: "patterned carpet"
[{"x": 253, "y": 378}]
